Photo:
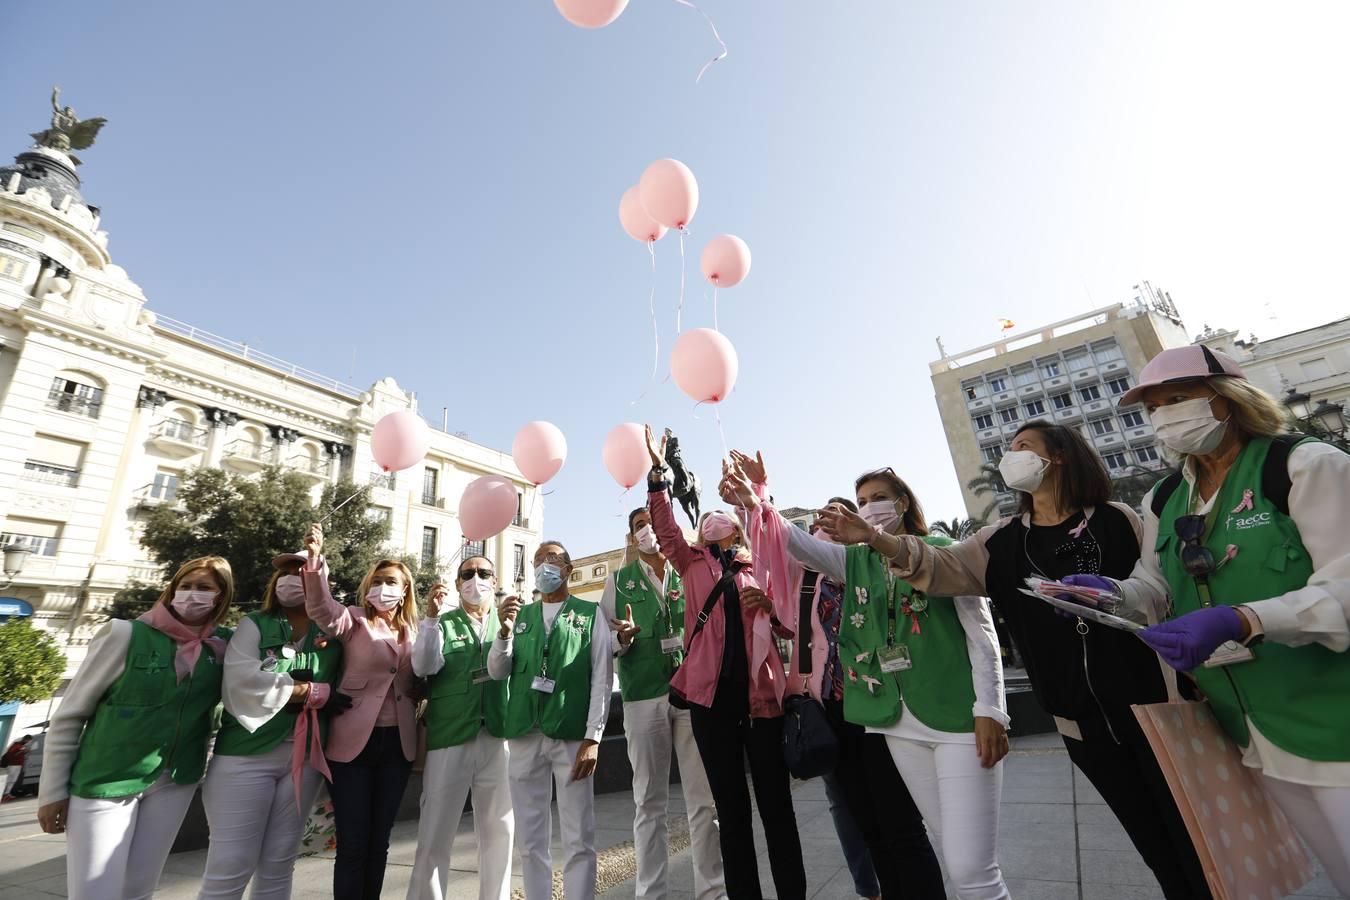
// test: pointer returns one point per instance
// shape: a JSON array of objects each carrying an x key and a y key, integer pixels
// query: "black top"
[{"x": 733, "y": 682}]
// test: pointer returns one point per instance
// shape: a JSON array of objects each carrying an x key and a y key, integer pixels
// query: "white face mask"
[
  {"x": 475, "y": 591},
  {"x": 290, "y": 590},
  {"x": 880, "y": 514},
  {"x": 1189, "y": 427},
  {"x": 646, "y": 540},
  {"x": 193, "y": 606},
  {"x": 1023, "y": 470},
  {"x": 384, "y": 597}
]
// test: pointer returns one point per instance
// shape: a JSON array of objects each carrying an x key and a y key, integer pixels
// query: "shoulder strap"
[
  {"x": 714, "y": 595},
  {"x": 1275, "y": 483},
  {"x": 808, "y": 594},
  {"x": 1163, "y": 492}
]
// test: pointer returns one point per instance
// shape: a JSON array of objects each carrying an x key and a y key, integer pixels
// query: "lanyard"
[{"x": 890, "y": 606}]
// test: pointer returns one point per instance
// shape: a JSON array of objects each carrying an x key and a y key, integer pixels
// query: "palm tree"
[
  {"x": 957, "y": 529},
  {"x": 990, "y": 480}
]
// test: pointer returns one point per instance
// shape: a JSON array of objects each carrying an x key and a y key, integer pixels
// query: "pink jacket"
[
  {"x": 373, "y": 663},
  {"x": 700, "y": 571}
]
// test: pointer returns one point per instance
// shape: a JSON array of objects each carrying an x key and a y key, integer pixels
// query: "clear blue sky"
[{"x": 434, "y": 186}]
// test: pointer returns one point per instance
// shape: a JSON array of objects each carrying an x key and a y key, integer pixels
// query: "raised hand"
[
  {"x": 506, "y": 614},
  {"x": 753, "y": 469},
  {"x": 313, "y": 544},
  {"x": 625, "y": 628},
  {"x": 844, "y": 526},
  {"x": 655, "y": 450},
  {"x": 435, "y": 597},
  {"x": 735, "y": 488}
]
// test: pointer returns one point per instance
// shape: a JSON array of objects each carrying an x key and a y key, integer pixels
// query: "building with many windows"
[
  {"x": 104, "y": 405},
  {"x": 1071, "y": 372}
]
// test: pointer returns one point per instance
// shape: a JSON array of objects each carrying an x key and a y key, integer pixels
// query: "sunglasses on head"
[
  {"x": 466, "y": 574},
  {"x": 1198, "y": 561},
  {"x": 876, "y": 473}
]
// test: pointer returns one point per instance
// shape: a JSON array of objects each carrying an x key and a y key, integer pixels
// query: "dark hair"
[
  {"x": 633, "y": 515},
  {"x": 567, "y": 557},
  {"x": 847, "y": 503},
  {"x": 1080, "y": 479},
  {"x": 913, "y": 519}
]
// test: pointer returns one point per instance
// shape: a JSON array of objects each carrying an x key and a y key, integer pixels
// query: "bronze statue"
[
  {"x": 68, "y": 132},
  {"x": 684, "y": 484}
]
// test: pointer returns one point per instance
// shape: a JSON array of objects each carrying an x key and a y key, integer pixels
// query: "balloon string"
[
  {"x": 679, "y": 310},
  {"x": 656, "y": 334},
  {"x": 717, "y": 416},
  {"x": 342, "y": 504},
  {"x": 715, "y": 328},
  {"x": 723, "y": 44}
]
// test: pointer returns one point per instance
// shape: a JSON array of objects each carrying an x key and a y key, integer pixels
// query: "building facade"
[
  {"x": 104, "y": 405},
  {"x": 1071, "y": 372},
  {"x": 1314, "y": 361}
]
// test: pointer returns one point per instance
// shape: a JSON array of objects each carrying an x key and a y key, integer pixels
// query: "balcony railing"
[
  {"x": 309, "y": 465},
  {"x": 181, "y": 431},
  {"x": 41, "y": 546},
  {"x": 248, "y": 450},
  {"x": 156, "y": 494},
  {"x": 75, "y": 404},
  {"x": 46, "y": 473}
]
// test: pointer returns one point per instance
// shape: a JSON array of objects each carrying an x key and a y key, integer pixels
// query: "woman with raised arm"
[
  {"x": 923, "y": 671},
  {"x": 733, "y": 681},
  {"x": 1085, "y": 675}
]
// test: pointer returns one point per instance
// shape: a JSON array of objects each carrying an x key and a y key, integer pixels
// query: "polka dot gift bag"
[{"x": 1247, "y": 848}]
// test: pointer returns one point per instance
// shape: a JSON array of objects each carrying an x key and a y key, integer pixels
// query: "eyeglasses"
[
  {"x": 875, "y": 473},
  {"x": 1198, "y": 561},
  {"x": 466, "y": 574},
  {"x": 554, "y": 558}
]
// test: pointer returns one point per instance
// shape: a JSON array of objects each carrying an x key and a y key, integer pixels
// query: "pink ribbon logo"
[
  {"x": 1246, "y": 503},
  {"x": 1078, "y": 529}
]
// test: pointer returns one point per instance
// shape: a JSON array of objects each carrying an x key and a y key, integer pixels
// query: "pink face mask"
[
  {"x": 718, "y": 526},
  {"x": 290, "y": 590},
  {"x": 384, "y": 597},
  {"x": 192, "y": 606}
]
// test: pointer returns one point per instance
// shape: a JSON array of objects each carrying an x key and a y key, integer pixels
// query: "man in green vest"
[
  {"x": 644, "y": 603},
  {"x": 555, "y": 661},
  {"x": 465, "y": 713}
]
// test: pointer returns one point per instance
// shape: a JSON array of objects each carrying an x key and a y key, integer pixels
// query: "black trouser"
[
  {"x": 366, "y": 795},
  {"x": 1127, "y": 776},
  {"x": 890, "y": 823},
  {"x": 724, "y": 741}
]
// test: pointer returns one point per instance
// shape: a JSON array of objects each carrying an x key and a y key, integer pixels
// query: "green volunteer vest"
[
  {"x": 273, "y": 633},
  {"x": 645, "y": 670},
  {"x": 561, "y": 714},
  {"x": 456, "y": 707},
  {"x": 938, "y": 687},
  {"x": 148, "y": 721},
  {"x": 1295, "y": 695}
]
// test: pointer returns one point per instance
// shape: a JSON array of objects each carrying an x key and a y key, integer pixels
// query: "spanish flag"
[{"x": 1006, "y": 325}]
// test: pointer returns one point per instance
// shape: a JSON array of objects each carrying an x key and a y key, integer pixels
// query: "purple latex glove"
[
  {"x": 1092, "y": 581},
  {"x": 1187, "y": 641}
]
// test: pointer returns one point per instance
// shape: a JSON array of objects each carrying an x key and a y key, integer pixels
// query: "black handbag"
[{"x": 810, "y": 746}]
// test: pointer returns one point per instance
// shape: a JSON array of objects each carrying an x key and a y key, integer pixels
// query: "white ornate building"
[{"x": 104, "y": 405}]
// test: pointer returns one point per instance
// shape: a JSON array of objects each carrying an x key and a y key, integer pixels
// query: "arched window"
[{"x": 77, "y": 393}]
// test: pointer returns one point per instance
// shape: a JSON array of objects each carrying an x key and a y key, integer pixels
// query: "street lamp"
[
  {"x": 1298, "y": 403},
  {"x": 15, "y": 556},
  {"x": 1332, "y": 419}
]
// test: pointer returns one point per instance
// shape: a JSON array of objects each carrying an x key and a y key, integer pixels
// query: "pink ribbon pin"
[
  {"x": 1246, "y": 503},
  {"x": 1078, "y": 529}
]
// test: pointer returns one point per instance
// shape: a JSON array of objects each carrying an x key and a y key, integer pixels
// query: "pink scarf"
[
  {"x": 188, "y": 637},
  {"x": 308, "y": 742}
]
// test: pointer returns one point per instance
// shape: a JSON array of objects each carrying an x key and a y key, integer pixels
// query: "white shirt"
[
  {"x": 602, "y": 674},
  {"x": 1319, "y": 612},
  {"x": 609, "y": 601},
  {"x": 250, "y": 694}
]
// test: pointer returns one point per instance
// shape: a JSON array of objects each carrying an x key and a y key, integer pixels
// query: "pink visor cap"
[{"x": 1182, "y": 364}]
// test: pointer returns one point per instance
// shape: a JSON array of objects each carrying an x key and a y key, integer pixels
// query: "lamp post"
[
  {"x": 1326, "y": 420},
  {"x": 15, "y": 557},
  {"x": 1298, "y": 403}
]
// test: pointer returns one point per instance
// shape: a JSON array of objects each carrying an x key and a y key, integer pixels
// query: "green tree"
[
  {"x": 1131, "y": 487},
  {"x": 31, "y": 663},
  {"x": 957, "y": 529}
]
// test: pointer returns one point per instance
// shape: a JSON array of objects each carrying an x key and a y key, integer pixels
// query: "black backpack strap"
[
  {"x": 1275, "y": 483},
  {"x": 808, "y": 595},
  {"x": 1163, "y": 492}
]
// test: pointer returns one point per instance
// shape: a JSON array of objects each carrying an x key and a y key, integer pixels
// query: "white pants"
[
  {"x": 11, "y": 776},
  {"x": 537, "y": 763},
  {"x": 959, "y": 801},
  {"x": 116, "y": 848},
  {"x": 482, "y": 764},
  {"x": 1321, "y": 816},
  {"x": 255, "y": 827},
  {"x": 651, "y": 726}
]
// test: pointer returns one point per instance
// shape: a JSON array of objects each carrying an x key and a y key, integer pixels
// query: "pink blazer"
[
  {"x": 700, "y": 571},
  {"x": 372, "y": 665}
]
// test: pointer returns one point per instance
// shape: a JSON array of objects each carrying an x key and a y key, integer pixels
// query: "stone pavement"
[{"x": 1058, "y": 842}]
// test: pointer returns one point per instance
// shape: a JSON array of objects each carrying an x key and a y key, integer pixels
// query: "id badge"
[
  {"x": 542, "y": 685},
  {"x": 480, "y": 676},
  {"x": 672, "y": 644},
  {"x": 269, "y": 664},
  {"x": 1229, "y": 653},
  {"x": 894, "y": 659}
]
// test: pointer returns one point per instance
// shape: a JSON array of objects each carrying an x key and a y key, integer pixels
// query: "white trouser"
[
  {"x": 959, "y": 801},
  {"x": 116, "y": 848},
  {"x": 534, "y": 758},
  {"x": 1321, "y": 816},
  {"x": 255, "y": 827},
  {"x": 482, "y": 764},
  {"x": 11, "y": 776},
  {"x": 651, "y": 726}
]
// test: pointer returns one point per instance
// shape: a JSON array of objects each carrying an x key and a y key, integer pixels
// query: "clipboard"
[{"x": 1084, "y": 612}]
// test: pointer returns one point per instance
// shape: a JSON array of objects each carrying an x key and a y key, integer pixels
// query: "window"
[
  {"x": 1115, "y": 460},
  {"x": 1051, "y": 369},
  {"x": 429, "y": 476},
  {"x": 1132, "y": 419},
  {"x": 13, "y": 268},
  {"x": 1315, "y": 369},
  {"x": 992, "y": 454},
  {"x": 1103, "y": 426},
  {"x": 984, "y": 421},
  {"x": 598, "y": 572},
  {"x": 998, "y": 385},
  {"x": 1035, "y": 408},
  {"x": 1080, "y": 362},
  {"x": 68, "y": 395},
  {"x": 379, "y": 514},
  {"x": 1008, "y": 415},
  {"x": 53, "y": 460},
  {"x": 428, "y": 545},
  {"x": 1062, "y": 401},
  {"x": 472, "y": 549},
  {"x": 1118, "y": 386},
  {"x": 165, "y": 486},
  {"x": 972, "y": 393},
  {"x": 1090, "y": 393},
  {"x": 1025, "y": 376},
  {"x": 34, "y": 534},
  {"x": 518, "y": 562},
  {"x": 1147, "y": 454},
  {"x": 1106, "y": 354},
  {"x": 45, "y": 473},
  {"x": 576, "y": 575},
  {"x": 520, "y": 509}
]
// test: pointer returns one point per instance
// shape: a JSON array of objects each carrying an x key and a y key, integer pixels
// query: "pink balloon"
[
  {"x": 726, "y": 260},
  {"x": 399, "y": 441},
  {"x": 669, "y": 192},
  {"x": 625, "y": 454},
  {"x": 590, "y": 13},
  {"x": 487, "y": 506},
  {"x": 539, "y": 451},
  {"x": 704, "y": 365},
  {"x": 635, "y": 221}
]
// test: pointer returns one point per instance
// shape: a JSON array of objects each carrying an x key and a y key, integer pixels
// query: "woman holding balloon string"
[{"x": 733, "y": 681}]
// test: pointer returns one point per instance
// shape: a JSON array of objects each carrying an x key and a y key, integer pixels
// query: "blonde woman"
[
  {"x": 128, "y": 744},
  {"x": 371, "y": 746}
]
